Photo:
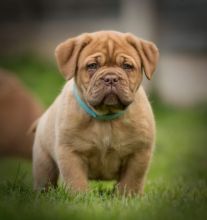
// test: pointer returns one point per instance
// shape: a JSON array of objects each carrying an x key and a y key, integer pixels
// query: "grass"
[{"x": 176, "y": 187}]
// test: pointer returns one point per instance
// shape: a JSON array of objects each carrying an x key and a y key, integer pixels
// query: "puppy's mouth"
[
  {"x": 112, "y": 98},
  {"x": 109, "y": 101}
]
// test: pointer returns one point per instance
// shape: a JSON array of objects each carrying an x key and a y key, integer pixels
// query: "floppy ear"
[
  {"x": 148, "y": 53},
  {"x": 67, "y": 54}
]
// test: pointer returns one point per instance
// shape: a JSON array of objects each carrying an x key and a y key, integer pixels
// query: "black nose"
[{"x": 110, "y": 80}]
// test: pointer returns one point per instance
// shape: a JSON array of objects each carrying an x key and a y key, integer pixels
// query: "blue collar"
[{"x": 84, "y": 106}]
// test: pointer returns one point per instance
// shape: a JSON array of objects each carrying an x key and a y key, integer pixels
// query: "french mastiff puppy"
[{"x": 101, "y": 126}]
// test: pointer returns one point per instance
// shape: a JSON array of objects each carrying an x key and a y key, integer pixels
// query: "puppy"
[
  {"x": 18, "y": 110},
  {"x": 101, "y": 126}
]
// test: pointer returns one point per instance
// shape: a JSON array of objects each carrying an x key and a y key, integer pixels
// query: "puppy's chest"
[
  {"x": 105, "y": 148},
  {"x": 106, "y": 138}
]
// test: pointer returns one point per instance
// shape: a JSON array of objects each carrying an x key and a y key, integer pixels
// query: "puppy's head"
[{"x": 107, "y": 67}]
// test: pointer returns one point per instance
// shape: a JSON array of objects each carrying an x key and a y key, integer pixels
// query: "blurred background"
[{"x": 31, "y": 29}]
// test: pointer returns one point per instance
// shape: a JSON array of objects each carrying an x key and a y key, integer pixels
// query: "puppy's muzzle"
[
  {"x": 110, "y": 80},
  {"x": 109, "y": 90}
]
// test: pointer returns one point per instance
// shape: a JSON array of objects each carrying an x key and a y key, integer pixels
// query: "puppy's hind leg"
[{"x": 45, "y": 171}]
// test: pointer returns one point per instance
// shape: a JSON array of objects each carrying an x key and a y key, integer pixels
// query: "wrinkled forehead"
[{"x": 109, "y": 49}]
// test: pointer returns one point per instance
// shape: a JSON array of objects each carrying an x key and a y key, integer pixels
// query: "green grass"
[{"x": 176, "y": 187}]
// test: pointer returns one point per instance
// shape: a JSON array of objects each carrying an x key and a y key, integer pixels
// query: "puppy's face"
[{"x": 107, "y": 67}]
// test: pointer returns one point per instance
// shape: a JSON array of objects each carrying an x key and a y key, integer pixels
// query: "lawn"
[{"x": 176, "y": 187}]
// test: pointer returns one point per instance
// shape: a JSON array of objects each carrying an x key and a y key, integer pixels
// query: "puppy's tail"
[{"x": 33, "y": 127}]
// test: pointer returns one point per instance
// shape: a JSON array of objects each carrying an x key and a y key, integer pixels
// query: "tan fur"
[{"x": 70, "y": 142}]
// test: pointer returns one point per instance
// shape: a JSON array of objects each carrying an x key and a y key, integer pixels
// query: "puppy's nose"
[{"x": 110, "y": 80}]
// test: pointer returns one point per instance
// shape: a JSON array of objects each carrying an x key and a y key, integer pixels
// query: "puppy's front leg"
[
  {"x": 72, "y": 169},
  {"x": 133, "y": 174}
]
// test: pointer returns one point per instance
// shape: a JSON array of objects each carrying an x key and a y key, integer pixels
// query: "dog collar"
[{"x": 86, "y": 108}]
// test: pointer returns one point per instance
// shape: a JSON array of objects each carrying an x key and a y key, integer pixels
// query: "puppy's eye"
[
  {"x": 92, "y": 66},
  {"x": 127, "y": 66}
]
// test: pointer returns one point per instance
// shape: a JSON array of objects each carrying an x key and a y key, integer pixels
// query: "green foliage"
[{"x": 176, "y": 186}]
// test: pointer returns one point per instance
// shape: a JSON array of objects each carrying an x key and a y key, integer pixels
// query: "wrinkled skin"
[{"x": 109, "y": 57}]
